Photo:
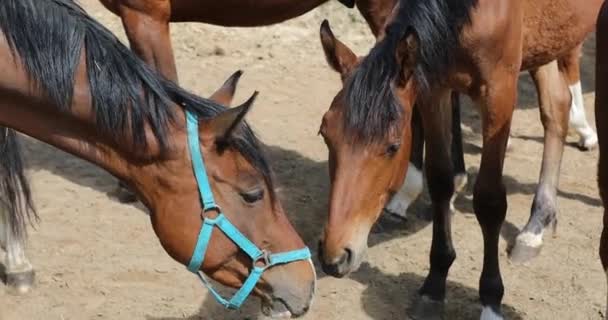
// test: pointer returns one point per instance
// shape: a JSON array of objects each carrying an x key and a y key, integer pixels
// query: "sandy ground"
[{"x": 98, "y": 259}]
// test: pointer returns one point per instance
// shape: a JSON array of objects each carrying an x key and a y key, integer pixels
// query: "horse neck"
[{"x": 27, "y": 110}]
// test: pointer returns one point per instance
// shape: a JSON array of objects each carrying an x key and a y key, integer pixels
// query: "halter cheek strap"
[{"x": 221, "y": 222}]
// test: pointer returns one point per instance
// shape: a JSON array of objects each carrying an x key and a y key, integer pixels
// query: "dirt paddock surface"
[{"x": 98, "y": 259}]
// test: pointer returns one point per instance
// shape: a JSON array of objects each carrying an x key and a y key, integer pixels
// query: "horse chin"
[{"x": 276, "y": 309}]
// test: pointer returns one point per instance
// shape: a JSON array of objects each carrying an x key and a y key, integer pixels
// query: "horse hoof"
[
  {"x": 524, "y": 251},
  {"x": 20, "y": 283},
  {"x": 425, "y": 308},
  {"x": 588, "y": 143}
]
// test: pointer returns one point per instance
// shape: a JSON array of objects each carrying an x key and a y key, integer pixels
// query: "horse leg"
[
  {"x": 601, "y": 123},
  {"x": 490, "y": 198},
  {"x": 554, "y": 100},
  {"x": 148, "y": 31},
  {"x": 376, "y": 12},
  {"x": 460, "y": 170},
  {"x": 570, "y": 66},
  {"x": 439, "y": 173},
  {"x": 414, "y": 181},
  {"x": 18, "y": 271}
]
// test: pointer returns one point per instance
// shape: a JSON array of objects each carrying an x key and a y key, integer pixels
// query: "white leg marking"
[
  {"x": 3, "y": 228},
  {"x": 530, "y": 239},
  {"x": 410, "y": 190},
  {"x": 578, "y": 118},
  {"x": 460, "y": 181},
  {"x": 488, "y": 314},
  {"x": 606, "y": 314},
  {"x": 16, "y": 261}
]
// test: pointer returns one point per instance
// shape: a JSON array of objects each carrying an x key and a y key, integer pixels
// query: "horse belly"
[
  {"x": 240, "y": 13},
  {"x": 554, "y": 27}
]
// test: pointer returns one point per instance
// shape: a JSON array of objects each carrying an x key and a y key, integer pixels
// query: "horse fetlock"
[
  {"x": 425, "y": 307},
  {"x": 490, "y": 313},
  {"x": 20, "y": 282},
  {"x": 491, "y": 291}
]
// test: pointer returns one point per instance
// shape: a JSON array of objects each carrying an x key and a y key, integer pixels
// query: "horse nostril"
[
  {"x": 343, "y": 258},
  {"x": 348, "y": 256}
]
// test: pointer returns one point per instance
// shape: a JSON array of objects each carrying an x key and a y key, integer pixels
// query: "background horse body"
[
  {"x": 147, "y": 22},
  {"x": 69, "y": 82},
  {"x": 431, "y": 48}
]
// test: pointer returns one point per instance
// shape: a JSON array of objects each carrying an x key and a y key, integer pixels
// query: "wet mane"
[
  {"x": 48, "y": 37},
  {"x": 372, "y": 105}
]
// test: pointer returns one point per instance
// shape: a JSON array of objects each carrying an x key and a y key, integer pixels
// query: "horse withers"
[
  {"x": 69, "y": 82},
  {"x": 430, "y": 49}
]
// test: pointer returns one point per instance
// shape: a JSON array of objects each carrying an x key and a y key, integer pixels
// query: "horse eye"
[
  {"x": 392, "y": 149},
  {"x": 253, "y": 196}
]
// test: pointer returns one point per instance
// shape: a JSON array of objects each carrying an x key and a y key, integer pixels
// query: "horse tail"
[{"x": 15, "y": 192}]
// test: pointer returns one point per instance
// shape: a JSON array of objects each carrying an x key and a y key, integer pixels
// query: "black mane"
[
  {"x": 48, "y": 37},
  {"x": 372, "y": 106}
]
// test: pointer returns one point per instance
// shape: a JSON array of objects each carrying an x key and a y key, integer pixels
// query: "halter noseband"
[{"x": 256, "y": 254}]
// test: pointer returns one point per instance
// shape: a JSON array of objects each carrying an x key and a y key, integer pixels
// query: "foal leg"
[
  {"x": 440, "y": 179},
  {"x": 490, "y": 198},
  {"x": 554, "y": 100},
  {"x": 18, "y": 271},
  {"x": 569, "y": 65},
  {"x": 414, "y": 180}
]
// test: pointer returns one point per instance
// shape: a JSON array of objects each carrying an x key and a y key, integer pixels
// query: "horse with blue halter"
[
  {"x": 430, "y": 49},
  {"x": 69, "y": 82}
]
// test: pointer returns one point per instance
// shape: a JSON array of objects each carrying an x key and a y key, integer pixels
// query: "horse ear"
[
  {"x": 338, "y": 55},
  {"x": 224, "y": 125},
  {"x": 225, "y": 93},
  {"x": 407, "y": 52}
]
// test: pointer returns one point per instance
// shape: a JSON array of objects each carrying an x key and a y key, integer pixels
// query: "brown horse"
[
  {"x": 430, "y": 49},
  {"x": 601, "y": 118},
  {"x": 67, "y": 81}
]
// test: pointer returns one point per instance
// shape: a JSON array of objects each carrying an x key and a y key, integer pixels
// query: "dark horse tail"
[{"x": 15, "y": 192}]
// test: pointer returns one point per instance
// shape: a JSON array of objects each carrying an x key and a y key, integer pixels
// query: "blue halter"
[{"x": 255, "y": 253}]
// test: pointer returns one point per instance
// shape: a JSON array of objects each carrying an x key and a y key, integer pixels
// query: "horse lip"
[{"x": 269, "y": 310}]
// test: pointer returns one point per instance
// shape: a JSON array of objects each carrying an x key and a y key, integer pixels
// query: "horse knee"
[
  {"x": 490, "y": 205},
  {"x": 440, "y": 181},
  {"x": 556, "y": 119}
]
